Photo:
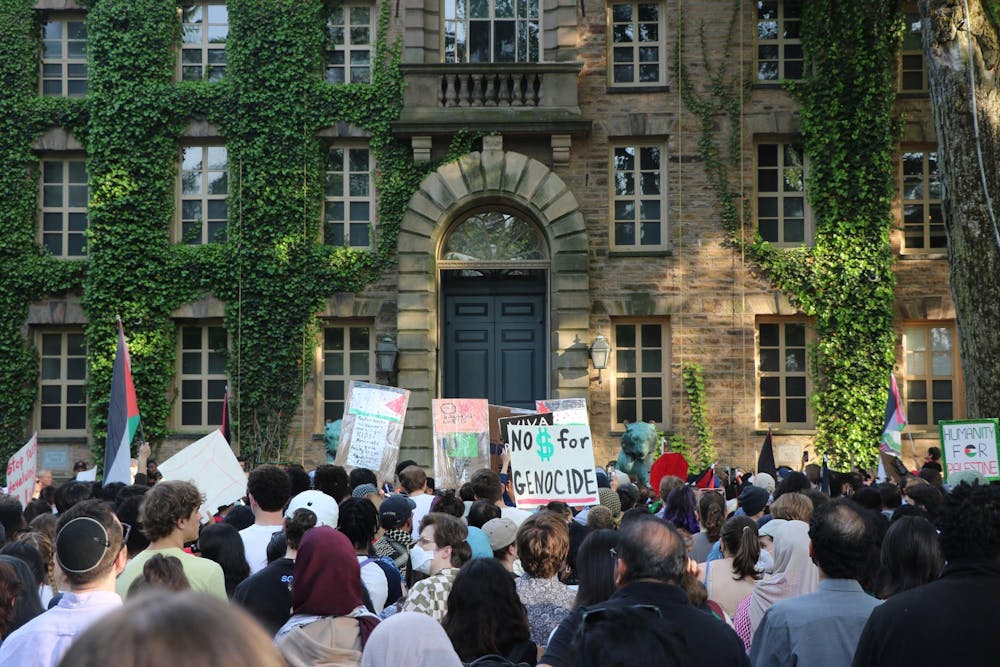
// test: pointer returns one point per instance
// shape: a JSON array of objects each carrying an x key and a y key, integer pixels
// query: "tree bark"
[{"x": 967, "y": 164}]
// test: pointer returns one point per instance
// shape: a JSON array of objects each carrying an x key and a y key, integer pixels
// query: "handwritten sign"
[
  {"x": 461, "y": 439},
  {"x": 21, "y": 471},
  {"x": 373, "y": 427},
  {"x": 970, "y": 445},
  {"x": 565, "y": 410},
  {"x": 538, "y": 419},
  {"x": 553, "y": 462},
  {"x": 210, "y": 465}
]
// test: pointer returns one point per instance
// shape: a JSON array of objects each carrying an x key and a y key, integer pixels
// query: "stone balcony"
[{"x": 514, "y": 98}]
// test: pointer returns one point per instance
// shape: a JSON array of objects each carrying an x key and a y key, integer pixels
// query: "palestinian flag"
[
  {"x": 123, "y": 417},
  {"x": 895, "y": 421}
]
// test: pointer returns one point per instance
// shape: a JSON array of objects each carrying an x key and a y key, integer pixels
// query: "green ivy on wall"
[
  {"x": 272, "y": 272},
  {"x": 845, "y": 279}
]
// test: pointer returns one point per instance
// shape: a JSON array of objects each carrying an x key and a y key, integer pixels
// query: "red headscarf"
[{"x": 327, "y": 578}]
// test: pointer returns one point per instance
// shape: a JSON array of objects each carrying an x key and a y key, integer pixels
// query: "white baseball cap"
[{"x": 323, "y": 506}]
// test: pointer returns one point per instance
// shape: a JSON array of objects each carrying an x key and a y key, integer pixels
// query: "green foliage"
[
  {"x": 845, "y": 280},
  {"x": 272, "y": 271},
  {"x": 694, "y": 386}
]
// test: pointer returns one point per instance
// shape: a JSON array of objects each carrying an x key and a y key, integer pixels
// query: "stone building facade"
[{"x": 584, "y": 211}]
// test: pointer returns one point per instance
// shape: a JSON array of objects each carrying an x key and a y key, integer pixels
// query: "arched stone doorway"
[
  {"x": 498, "y": 181},
  {"x": 493, "y": 268}
]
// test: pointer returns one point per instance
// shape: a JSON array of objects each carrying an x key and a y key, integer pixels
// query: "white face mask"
[{"x": 420, "y": 559}]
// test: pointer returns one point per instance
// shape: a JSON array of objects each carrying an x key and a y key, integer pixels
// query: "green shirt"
[{"x": 203, "y": 574}]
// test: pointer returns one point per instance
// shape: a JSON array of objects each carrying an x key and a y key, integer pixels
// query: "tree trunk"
[{"x": 966, "y": 164}]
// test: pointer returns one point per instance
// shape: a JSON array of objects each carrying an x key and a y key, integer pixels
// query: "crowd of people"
[{"x": 338, "y": 567}]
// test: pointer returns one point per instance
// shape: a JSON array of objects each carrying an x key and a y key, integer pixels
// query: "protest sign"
[
  {"x": 565, "y": 410},
  {"x": 373, "y": 427},
  {"x": 461, "y": 439},
  {"x": 970, "y": 444},
  {"x": 21, "y": 471},
  {"x": 537, "y": 419},
  {"x": 210, "y": 465},
  {"x": 553, "y": 462}
]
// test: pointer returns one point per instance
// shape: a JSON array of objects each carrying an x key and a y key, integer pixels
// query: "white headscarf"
[
  {"x": 794, "y": 572},
  {"x": 409, "y": 638}
]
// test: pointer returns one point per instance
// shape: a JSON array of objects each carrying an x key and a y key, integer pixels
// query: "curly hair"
[
  {"x": 358, "y": 520},
  {"x": 270, "y": 486},
  {"x": 10, "y": 587},
  {"x": 970, "y": 522},
  {"x": 296, "y": 526},
  {"x": 44, "y": 545},
  {"x": 478, "y": 629},
  {"x": 543, "y": 544},
  {"x": 446, "y": 501},
  {"x": 164, "y": 505}
]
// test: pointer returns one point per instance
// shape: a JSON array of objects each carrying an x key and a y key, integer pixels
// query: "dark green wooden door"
[{"x": 494, "y": 340}]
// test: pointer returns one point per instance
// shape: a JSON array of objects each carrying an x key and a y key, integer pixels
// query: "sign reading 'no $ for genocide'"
[{"x": 552, "y": 463}]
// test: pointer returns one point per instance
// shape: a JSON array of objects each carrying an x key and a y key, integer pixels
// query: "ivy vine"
[
  {"x": 272, "y": 271},
  {"x": 845, "y": 279}
]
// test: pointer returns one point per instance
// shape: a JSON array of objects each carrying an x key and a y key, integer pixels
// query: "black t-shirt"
[{"x": 267, "y": 595}]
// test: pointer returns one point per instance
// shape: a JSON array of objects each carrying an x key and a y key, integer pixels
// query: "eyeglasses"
[{"x": 126, "y": 531}]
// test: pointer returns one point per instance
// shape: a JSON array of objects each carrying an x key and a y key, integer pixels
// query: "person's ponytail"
[{"x": 739, "y": 535}]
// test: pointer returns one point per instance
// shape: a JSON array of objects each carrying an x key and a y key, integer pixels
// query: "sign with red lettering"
[
  {"x": 970, "y": 444},
  {"x": 552, "y": 462},
  {"x": 21, "y": 471}
]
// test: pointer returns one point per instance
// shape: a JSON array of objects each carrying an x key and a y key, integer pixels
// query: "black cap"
[
  {"x": 395, "y": 510},
  {"x": 81, "y": 545}
]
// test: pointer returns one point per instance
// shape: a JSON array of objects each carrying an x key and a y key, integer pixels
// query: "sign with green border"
[{"x": 970, "y": 444}]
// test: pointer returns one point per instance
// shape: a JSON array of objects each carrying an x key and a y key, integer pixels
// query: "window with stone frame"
[
  {"x": 63, "y": 205},
  {"x": 638, "y": 196},
  {"x": 779, "y": 40},
  {"x": 348, "y": 353},
  {"x": 783, "y": 216},
  {"x": 912, "y": 65},
  {"x": 932, "y": 388},
  {"x": 920, "y": 192},
  {"x": 640, "y": 371},
  {"x": 62, "y": 405},
  {"x": 64, "y": 56},
  {"x": 350, "y": 29},
  {"x": 492, "y": 31},
  {"x": 204, "y": 186},
  {"x": 202, "y": 376},
  {"x": 205, "y": 28},
  {"x": 637, "y": 48},
  {"x": 349, "y": 202},
  {"x": 783, "y": 378}
]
